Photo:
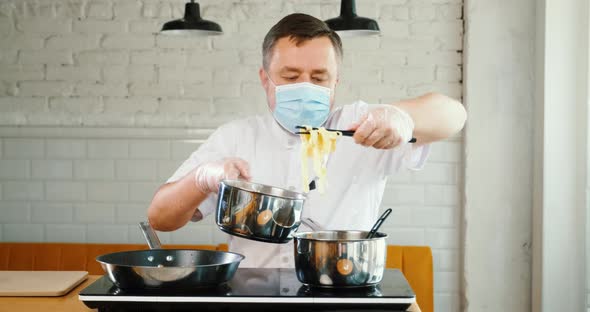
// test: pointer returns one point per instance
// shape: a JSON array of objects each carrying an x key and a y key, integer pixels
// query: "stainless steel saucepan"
[
  {"x": 259, "y": 212},
  {"x": 340, "y": 259},
  {"x": 167, "y": 268}
]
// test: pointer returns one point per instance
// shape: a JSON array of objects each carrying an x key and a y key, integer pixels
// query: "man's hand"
[
  {"x": 384, "y": 127},
  {"x": 208, "y": 175}
]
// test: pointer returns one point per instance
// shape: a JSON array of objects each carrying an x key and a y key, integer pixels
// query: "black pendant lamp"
[
  {"x": 350, "y": 24},
  {"x": 192, "y": 24}
]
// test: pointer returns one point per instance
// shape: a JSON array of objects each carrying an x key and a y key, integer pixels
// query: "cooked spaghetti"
[{"x": 317, "y": 144}]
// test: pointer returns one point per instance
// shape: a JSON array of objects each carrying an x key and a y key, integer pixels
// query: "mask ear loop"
[
  {"x": 270, "y": 79},
  {"x": 275, "y": 86}
]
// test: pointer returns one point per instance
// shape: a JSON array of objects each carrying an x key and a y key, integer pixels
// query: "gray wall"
[{"x": 499, "y": 95}]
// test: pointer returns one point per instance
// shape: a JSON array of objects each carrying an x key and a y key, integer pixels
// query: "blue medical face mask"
[{"x": 300, "y": 104}]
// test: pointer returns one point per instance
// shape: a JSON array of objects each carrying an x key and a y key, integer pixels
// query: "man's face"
[{"x": 313, "y": 61}]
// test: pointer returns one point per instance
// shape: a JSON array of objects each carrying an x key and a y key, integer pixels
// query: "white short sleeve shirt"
[{"x": 354, "y": 184}]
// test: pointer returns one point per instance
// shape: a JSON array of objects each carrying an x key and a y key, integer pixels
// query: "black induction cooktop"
[{"x": 254, "y": 290}]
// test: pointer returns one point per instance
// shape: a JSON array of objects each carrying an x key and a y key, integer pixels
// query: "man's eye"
[
  {"x": 318, "y": 79},
  {"x": 290, "y": 78}
]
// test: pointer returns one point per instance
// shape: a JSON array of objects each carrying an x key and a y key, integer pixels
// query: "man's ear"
[{"x": 263, "y": 78}]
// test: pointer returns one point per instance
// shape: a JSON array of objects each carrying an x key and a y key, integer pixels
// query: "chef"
[{"x": 301, "y": 61}]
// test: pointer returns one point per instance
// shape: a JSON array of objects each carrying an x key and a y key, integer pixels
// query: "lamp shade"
[
  {"x": 191, "y": 24},
  {"x": 350, "y": 24}
]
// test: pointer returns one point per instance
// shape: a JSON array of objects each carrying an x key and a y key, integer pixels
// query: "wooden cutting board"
[{"x": 39, "y": 283}]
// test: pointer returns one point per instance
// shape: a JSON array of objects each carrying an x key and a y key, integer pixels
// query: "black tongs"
[{"x": 343, "y": 132}]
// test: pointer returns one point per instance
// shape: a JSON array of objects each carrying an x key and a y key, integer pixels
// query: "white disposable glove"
[
  {"x": 209, "y": 174},
  {"x": 383, "y": 127}
]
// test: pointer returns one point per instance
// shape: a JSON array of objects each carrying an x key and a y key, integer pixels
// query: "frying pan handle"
[{"x": 150, "y": 235}]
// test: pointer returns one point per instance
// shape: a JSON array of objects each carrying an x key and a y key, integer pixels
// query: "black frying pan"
[{"x": 164, "y": 268}]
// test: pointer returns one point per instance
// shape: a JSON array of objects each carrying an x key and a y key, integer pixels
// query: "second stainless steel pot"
[
  {"x": 339, "y": 258},
  {"x": 259, "y": 212}
]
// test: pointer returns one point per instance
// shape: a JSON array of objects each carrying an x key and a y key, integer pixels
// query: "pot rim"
[
  {"x": 239, "y": 184},
  {"x": 299, "y": 236}
]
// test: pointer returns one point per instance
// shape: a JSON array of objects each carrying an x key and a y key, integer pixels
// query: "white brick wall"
[
  {"x": 59, "y": 51},
  {"x": 107, "y": 109}
]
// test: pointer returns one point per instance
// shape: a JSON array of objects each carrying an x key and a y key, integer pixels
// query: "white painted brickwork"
[{"x": 107, "y": 109}]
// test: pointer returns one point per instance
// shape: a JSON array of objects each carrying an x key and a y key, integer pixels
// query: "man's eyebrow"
[
  {"x": 319, "y": 71},
  {"x": 290, "y": 69}
]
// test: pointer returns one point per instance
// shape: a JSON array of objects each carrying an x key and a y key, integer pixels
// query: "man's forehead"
[{"x": 316, "y": 54}]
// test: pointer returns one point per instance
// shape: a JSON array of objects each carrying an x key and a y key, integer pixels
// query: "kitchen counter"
[{"x": 67, "y": 303}]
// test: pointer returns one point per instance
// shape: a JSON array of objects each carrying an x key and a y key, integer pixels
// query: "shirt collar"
[{"x": 280, "y": 135}]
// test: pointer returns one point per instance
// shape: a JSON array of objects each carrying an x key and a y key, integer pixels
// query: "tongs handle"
[
  {"x": 344, "y": 132},
  {"x": 150, "y": 235}
]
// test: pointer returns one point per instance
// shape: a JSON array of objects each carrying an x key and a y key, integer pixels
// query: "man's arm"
[
  {"x": 436, "y": 116},
  {"x": 174, "y": 204},
  {"x": 428, "y": 118}
]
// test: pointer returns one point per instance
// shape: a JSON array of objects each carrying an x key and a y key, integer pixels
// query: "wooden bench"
[{"x": 414, "y": 261}]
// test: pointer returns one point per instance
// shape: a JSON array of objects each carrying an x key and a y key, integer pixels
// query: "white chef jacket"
[{"x": 356, "y": 176}]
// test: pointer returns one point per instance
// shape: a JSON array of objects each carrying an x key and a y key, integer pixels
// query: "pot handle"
[
  {"x": 150, "y": 235},
  {"x": 314, "y": 226}
]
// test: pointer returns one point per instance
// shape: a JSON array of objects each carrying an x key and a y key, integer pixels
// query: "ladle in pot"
[{"x": 378, "y": 223}]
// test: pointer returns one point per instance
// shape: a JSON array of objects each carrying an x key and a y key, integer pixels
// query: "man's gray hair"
[{"x": 299, "y": 28}]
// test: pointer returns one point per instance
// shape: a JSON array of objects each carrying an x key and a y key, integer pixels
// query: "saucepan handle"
[{"x": 314, "y": 226}]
